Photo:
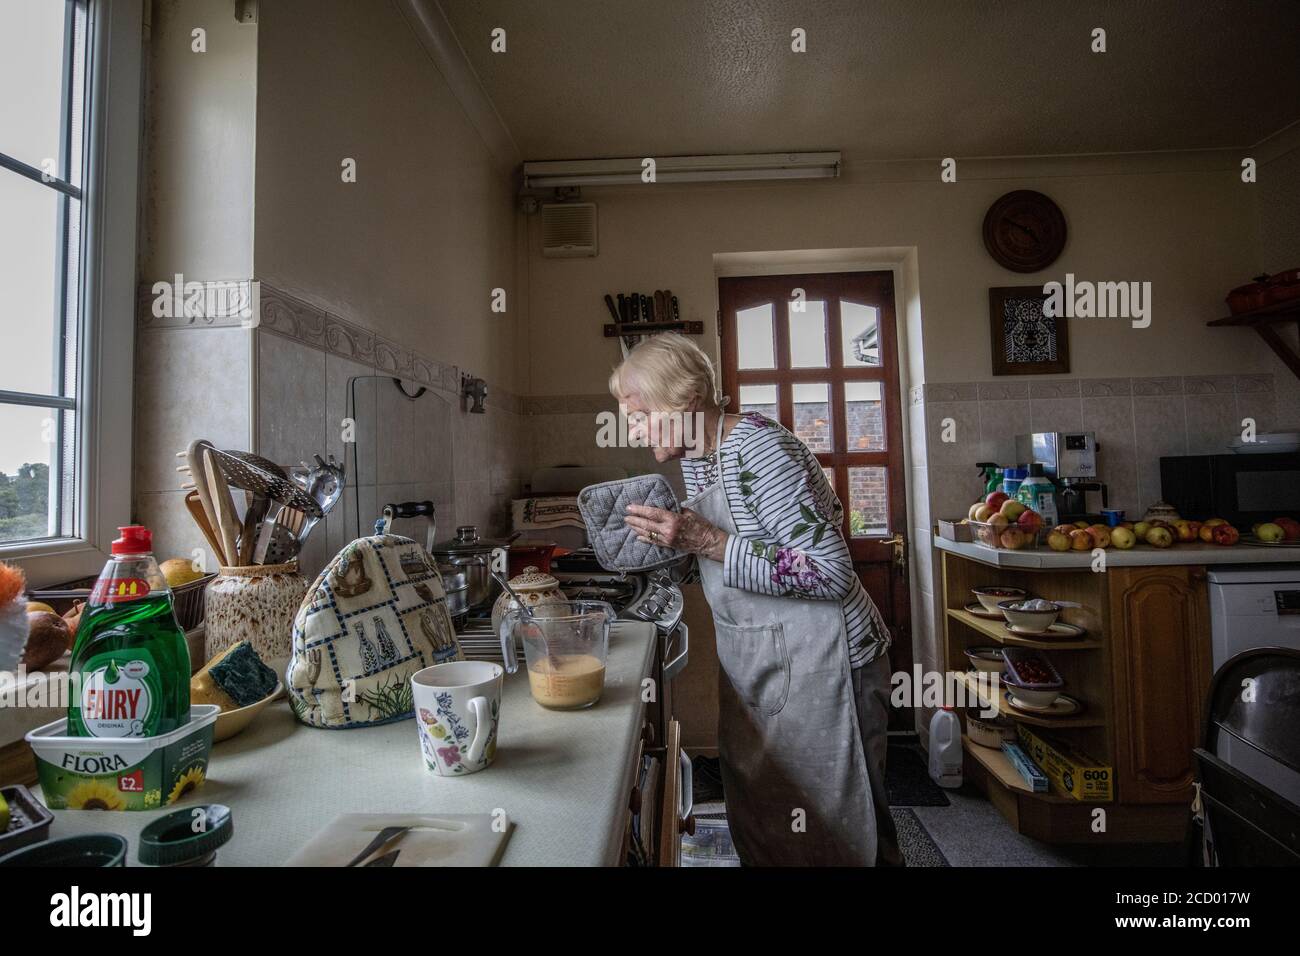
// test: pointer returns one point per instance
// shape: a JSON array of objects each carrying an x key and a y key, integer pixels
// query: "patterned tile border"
[
  {"x": 293, "y": 318},
  {"x": 999, "y": 390}
]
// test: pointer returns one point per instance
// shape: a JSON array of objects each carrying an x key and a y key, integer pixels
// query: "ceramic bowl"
[
  {"x": 1028, "y": 620},
  {"x": 987, "y": 659},
  {"x": 234, "y": 721},
  {"x": 1034, "y": 698},
  {"x": 989, "y": 597}
]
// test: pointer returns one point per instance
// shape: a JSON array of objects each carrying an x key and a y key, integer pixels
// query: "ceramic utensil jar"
[
  {"x": 533, "y": 586},
  {"x": 255, "y": 604}
]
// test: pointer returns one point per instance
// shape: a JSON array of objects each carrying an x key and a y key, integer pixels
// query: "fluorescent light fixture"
[{"x": 681, "y": 169}]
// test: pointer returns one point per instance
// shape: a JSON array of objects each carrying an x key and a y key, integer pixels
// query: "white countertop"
[
  {"x": 1044, "y": 558},
  {"x": 561, "y": 777}
]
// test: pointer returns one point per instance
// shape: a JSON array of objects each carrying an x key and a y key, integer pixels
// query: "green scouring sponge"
[{"x": 234, "y": 678}]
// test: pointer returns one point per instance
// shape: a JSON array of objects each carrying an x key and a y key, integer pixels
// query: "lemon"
[{"x": 4, "y": 814}]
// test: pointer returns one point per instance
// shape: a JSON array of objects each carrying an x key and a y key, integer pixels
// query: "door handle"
[{"x": 900, "y": 552}]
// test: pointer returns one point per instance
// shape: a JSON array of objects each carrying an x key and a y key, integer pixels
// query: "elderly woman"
[{"x": 804, "y": 677}]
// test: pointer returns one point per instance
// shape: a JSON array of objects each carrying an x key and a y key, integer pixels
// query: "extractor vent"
[{"x": 568, "y": 229}]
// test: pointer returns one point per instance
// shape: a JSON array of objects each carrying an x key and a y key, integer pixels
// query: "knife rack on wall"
[{"x": 636, "y": 315}]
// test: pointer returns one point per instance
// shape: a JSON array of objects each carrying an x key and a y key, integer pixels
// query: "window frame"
[{"x": 105, "y": 301}]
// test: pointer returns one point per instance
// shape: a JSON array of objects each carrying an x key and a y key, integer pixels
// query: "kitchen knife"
[{"x": 613, "y": 312}]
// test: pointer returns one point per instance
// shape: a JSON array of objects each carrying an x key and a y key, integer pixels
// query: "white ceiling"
[{"x": 884, "y": 79}]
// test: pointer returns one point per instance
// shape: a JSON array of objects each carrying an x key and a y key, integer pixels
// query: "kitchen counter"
[
  {"x": 1142, "y": 555},
  {"x": 563, "y": 778}
]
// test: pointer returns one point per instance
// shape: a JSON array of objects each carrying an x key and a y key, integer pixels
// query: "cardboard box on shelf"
[{"x": 1072, "y": 772}]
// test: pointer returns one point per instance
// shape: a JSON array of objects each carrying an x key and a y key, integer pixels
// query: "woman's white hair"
[{"x": 669, "y": 371}]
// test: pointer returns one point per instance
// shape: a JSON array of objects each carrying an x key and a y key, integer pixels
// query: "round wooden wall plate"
[{"x": 1024, "y": 231}]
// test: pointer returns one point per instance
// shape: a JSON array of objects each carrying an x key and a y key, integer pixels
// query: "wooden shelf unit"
[{"x": 1125, "y": 671}]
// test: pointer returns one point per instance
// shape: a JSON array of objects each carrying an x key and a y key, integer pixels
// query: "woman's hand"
[{"x": 684, "y": 531}]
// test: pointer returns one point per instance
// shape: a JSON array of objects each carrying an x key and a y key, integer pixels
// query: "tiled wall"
[
  {"x": 1137, "y": 421},
  {"x": 197, "y": 382}
]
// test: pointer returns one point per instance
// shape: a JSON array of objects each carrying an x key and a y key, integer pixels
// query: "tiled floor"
[{"x": 971, "y": 832}]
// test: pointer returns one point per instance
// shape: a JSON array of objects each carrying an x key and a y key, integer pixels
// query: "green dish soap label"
[{"x": 121, "y": 695}]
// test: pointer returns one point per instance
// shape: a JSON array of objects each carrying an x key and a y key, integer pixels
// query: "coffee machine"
[{"x": 1070, "y": 460}]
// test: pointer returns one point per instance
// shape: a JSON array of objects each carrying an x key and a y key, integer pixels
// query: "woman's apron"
[{"x": 793, "y": 769}]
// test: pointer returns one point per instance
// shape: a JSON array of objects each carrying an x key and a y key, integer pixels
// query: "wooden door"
[
  {"x": 819, "y": 353},
  {"x": 1160, "y": 658}
]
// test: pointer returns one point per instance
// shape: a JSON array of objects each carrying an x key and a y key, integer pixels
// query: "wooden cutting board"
[{"x": 450, "y": 839}]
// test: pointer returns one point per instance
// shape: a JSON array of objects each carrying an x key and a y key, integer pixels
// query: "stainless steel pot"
[
  {"x": 470, "y": 555},
  {"x": 457, "y": 589}
]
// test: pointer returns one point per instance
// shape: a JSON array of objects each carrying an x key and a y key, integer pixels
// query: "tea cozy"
[{"x": 371, "y": 619}]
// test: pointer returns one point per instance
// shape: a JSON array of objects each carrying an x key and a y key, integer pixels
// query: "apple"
[
  {"x": 1187, "y": 530},
  {"x": 1127, "y": 525},
  {"x": 1290, "y": 527},
  {"x": 998, "y": 522},
  {"x": 1160, "y": 537},
  {"x": 1064, "y": 529},
  {"x": 1100, "y": 535},
  {"x": 984, "y": 513},
  {"x": 1226, "y": 535},
  {"x": 1269, "y": 532},
  {"x": 1081, "y": 525},
  {"x": 1013, "y": 538},
  {"x": 1123, "y": 538},
  {"x": 987, "y": 536},
  {"x": 970, "y": 513},
  {"x": 1030, "y": 522},
  {"x": 1141, "y": 528},
  {"x": 1080, "y": 540},
  {"x": 1206, "y": 532},
  {"x": 995, "y": 499},
  {"x": 1012, "y": 509},
  {"x": 1058, "y": 540}
]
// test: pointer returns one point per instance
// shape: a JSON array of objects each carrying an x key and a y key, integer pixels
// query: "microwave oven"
[{"x": 1241, "y": 489}]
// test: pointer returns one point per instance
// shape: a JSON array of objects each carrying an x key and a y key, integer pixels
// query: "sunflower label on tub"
[{"x": 123, "y": 773}]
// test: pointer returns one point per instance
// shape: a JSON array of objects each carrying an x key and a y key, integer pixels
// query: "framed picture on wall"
[{"x": 1024, "y": 340}]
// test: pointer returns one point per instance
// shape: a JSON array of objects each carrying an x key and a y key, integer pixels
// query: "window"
[
  {"x": 43, "y": 53},
  {"x": 67, "y": 268}
]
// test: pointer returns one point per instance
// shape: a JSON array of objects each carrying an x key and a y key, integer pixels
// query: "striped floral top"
[{"x": 788, "y": 522}]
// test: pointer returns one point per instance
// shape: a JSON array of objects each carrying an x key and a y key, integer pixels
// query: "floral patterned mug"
[{"x": 457, "y": 709}]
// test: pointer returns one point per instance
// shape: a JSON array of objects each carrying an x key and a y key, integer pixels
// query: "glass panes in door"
[
  {"x": 864, "y": 416},
  {"x": 755, "y": 340},
  {"x": 868, "y": 502},
  {"x": 808, "y": 334},
  {"x": 759, "y": 398},
  {"x": 859, "y": 334},
  {"x": 812, "y": 415}
]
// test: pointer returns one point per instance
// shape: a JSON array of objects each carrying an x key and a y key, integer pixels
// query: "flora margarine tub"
[{"x": 123, "y": 773}]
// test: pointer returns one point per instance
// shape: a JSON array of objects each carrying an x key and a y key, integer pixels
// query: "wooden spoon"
[
  {"x": 195, "y": 507},
  {"x": 227, "y": 522}
]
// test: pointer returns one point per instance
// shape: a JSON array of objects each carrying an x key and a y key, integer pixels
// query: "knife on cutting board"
[{"x": 445, "y": 839}]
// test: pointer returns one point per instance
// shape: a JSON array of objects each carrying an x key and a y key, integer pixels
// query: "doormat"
[
  {"x": 711, "y": 845},
  {"x": 907, "y": 778}
]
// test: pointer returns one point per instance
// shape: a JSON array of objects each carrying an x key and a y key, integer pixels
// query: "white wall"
[
  {"x": 413, "y": 248},
  {"x": 1184, "y": 223}
]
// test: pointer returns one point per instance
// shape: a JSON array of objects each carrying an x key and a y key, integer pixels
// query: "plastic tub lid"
[{"x": 172, "y": 840}]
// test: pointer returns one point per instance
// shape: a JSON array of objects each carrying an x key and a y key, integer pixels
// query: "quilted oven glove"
[{"x": 603, "y": 507}]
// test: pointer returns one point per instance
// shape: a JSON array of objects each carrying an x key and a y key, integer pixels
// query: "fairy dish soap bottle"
[{"x": 130, "y": 656}]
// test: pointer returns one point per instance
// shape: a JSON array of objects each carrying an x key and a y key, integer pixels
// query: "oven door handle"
[
  {"x": 686, "y": 800},
  {"x": 678, "y": 664}
]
